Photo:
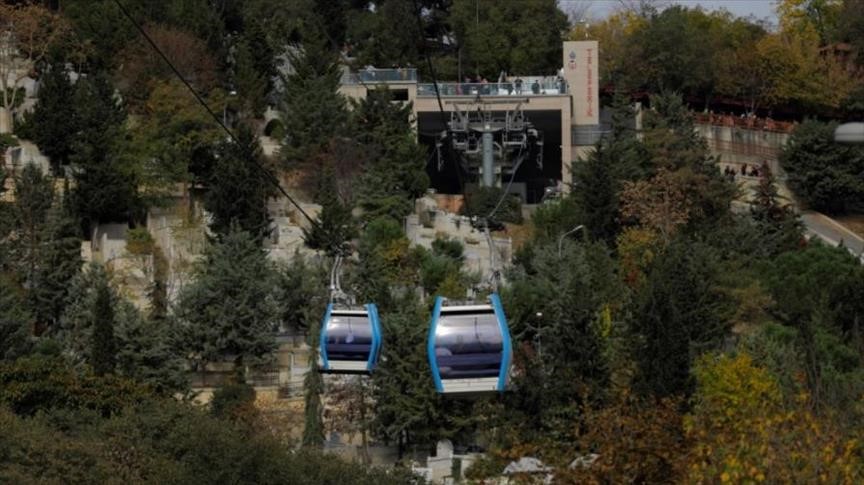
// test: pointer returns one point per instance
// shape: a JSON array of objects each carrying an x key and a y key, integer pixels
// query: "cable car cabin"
[
  {"x": 469, "y": 347},
  {"x": 350, "y": 340}
]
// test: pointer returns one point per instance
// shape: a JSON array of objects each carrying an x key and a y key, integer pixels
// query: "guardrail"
[
  {"x": 547, "y": 88},
  {"x": 375, "y": 75}
]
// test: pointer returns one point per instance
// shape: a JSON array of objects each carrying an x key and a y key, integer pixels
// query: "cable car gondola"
[
  {"x": 350, "y": 340},
  {"x": 469, "y": 347}
]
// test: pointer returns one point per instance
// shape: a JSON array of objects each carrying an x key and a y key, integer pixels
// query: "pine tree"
[
  {"x": 597, "y": 192},
  {"x": 406, "y": 407},
  {"x": 239, "y": 188},
  {"x": 145, "y": 350},
  {"x": 103, "y": 345},
  {"x": 313, "y": 387},
  {"x": 34, "y": 193},
  {"x": 252, "y": 85},
  {"x": 105, "y": 185},
  {"x": 230, "y": 310},
  {"x": 59, "y": 263},
  {"x": 14, "y": 323},
  {"x": 54, "y": 122},
  {"x": 396, "y": 172},
  {"x": 313, "y": 111},
  {"x": 679, "y": 313},
  {"x": 780, "y": 228},
  {"x": 335, "y": 226}
]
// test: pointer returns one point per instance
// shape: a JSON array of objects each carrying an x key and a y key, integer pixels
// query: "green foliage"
[
  {"x": 239, "y": 188},
  {"x": 59, "y": 263},
  {"x": 147, "y": 353},
  {"x": 406, "y": 404},
  {"x": 42, "y": 383},
  {"x": 388, "y": 264},
  {"x": 304, "y": 293},
  {"x": 678, "y": 314},
  {"x": 559, "y": 316},
  {"x": 176, "y": 139},
  {"x": 313, "y": 111},
  {"x": 53, "y": 124},
  {"x": 234, "y": 401},
  {"x": 142, "y": 444},
  {"x": 105, "y": 187},
  {"x": 519, "y": 38},
  {"x": 230, "y": 311},
  {"x": 103, "y": 346},
  {"x": 34, "y": 193},
  {"x": 335, "y": 227},
  {"x": 313, "y": 408},
  {"x": 14, "y": 323},
  {"x": 395, "y": 173},
  {"x": 450, "y": 248},
  {"x": 779, "y": 227},
  {"x": 556, "y": 217},
  {"x": 483, "y": 200},
  {"x": 824, "y": 174}
]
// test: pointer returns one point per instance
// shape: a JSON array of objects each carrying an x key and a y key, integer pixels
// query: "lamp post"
[{"x": 561, "y": 239}]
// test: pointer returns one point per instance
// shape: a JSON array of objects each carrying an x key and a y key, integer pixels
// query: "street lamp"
[
  {"x": 561, "y": 239},
  {"x": 849, "y": 133}
]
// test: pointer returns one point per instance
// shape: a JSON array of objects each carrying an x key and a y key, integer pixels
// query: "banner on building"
[{"x": 581, "y": 73}]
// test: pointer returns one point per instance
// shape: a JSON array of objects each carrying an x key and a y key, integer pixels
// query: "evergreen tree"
[
  {"x": 561, "y": 316},
  {"x": 230, "y": 310},
  {"x": 105, "y": 185},
  {"x": 252, "y": 84},
  {"x": 14, "y": 323},
  {"x": 103, "y": 345},
  {"x": 405, "y": 401},
  {"x": 239, "y": 188},
  {"x": 780, "y": 228},
  {"x": 679, "y": 313},
  {"x": 598, "y": 195},
  {"x": 146, "y": 351},
  {"x": 396, "y": 172},
  {"x": 34, "y": 193},
  {"x": 313, "y": 387},
  {"x": 304, "y": 291},
  {"x": 59, "y": 262},
  {"x": 313, "y": 111},
  {"x": 54, "y": 122},
  {"x": 335, "y": 227}
]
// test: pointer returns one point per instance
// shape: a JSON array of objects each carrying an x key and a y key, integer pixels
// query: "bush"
[{"x": 483, "y": 201}]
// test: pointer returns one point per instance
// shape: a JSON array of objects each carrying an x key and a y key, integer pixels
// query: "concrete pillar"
[{"x": 488, "y": 160}]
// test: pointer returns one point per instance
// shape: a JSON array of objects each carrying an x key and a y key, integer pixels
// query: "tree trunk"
[{"x": 5, "y": 121}]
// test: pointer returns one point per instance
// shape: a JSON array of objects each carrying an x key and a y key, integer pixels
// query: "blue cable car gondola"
[
  {"x": 469, "y": 347},
  {"x": 350, "y": 340}
]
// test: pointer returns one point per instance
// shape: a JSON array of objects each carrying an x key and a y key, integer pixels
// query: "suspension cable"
[{"x": 269, "y": 175}]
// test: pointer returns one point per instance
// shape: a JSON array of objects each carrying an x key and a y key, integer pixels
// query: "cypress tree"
[
  {"x": 14, "y": 323},
  {"x": 313, "y": 387},
  {"x": 103, "y": 345},
  {"x": 59, "y": 262}
]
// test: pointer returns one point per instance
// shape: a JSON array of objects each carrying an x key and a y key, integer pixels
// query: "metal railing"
[
  {"x": 549, "y": 87},
  {"x": 587, "y": 135},
  {"x": 375, "y": 75}
]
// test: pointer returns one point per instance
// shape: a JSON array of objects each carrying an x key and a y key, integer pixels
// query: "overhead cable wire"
[{"x": 269, "y": 175}]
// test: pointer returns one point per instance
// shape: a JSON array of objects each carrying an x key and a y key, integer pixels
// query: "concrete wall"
[{"x": 736, "y": 146}]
